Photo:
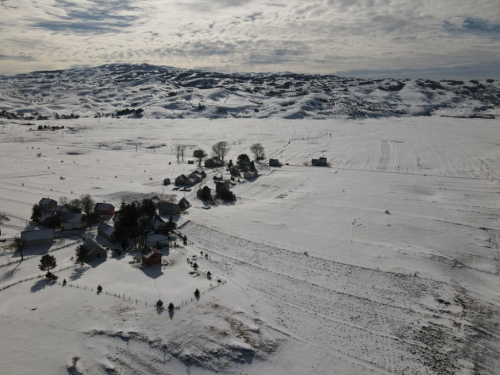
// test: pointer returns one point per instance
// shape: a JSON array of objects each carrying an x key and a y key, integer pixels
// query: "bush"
[
  {"x": 209, "y": 274},
  {"x": 64, "y": 282},
  {"x": 159, "y": 304},
  {"x": 171, "y": 306},
  {"x": 197, "y": 293},
  {"x": 99, "y": 288}
]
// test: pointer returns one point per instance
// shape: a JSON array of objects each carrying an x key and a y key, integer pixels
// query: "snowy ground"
[{"x": 385, "y": 262}]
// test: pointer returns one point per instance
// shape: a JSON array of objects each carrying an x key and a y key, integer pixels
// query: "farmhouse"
[
  {"x": 150, "y": 256},
  {"x": 47, "y": 204},
  {"x": 104, "y": 209},
  {"x": 180, "y": 180},
  {"x": 31, "y": 238},
  {"x": 213, "y": 162},
  {"x": 157, "y": 240},
  {"x": 72, "y": 220},
  {"x": 96, "y": 251},
  {"x": 155, "y": 222},
  {"x": 167, "y": 208},
  {"x": 106, "y": 231}
]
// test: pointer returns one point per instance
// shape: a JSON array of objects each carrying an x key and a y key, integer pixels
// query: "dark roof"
[
  {"x": 108, "y": 230},
  {"x": 31, "y": 235},
  {"x": 184, "y": 204},
  {"x": 102, "y": 206}
]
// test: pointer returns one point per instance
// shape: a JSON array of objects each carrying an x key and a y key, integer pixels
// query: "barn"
[{"x": 31, "y": 238}]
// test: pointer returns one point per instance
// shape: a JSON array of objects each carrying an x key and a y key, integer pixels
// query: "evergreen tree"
[
  {"x": 99, "y": 288},
  {"x": 47, "y": 263},
  {"x": 195, "y": 266},
  {"x": 197, "y": 293},
  {"x": 36, "y": 213},
  {"x": 171, "y": 306},
  {"x": 81, "y": 255}
]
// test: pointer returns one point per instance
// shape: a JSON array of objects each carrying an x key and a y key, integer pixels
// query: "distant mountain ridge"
[{"x": 150, "y": 91}]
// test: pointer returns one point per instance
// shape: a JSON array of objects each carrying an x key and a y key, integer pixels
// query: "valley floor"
[{"x": 385, "y": 262}]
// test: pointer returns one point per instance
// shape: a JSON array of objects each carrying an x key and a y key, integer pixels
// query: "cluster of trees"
[
  {"x": 47, "y": 127},
  {"x": 134, "y": 223},
  {"x": 126, "y": 112}
]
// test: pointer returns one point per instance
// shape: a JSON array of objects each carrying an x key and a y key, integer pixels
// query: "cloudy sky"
[{"x": 398, "y": 38}]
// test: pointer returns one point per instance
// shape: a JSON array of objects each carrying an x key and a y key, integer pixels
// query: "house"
[
  {"x": 201, "y": 172},
  {"x": 155, "y": 222},
  {"x": 274, "y": 163},
  {"x": 190, "y": 181},
  {"x": 198, "y": 153},
  {"x": 196, "y": 176},
  {"x": 150, "y": 256},
  {"x": 167, "y": 208},
  {"x": 157, "y": 240},
  {"x": 67, "y": 208},
  {"x": 31, "y": 238},
  {"x": 47, "y": 204},
  {"x": 45, "y": 215},
  {"x": 166, "y": 181},
  {"x": 213, "y": 162},
  {"x": 180, "y": 180},
  {"x": 95, "y": 250},
  {"x": 184, "y": 204},
  {"x": 249, "y": 175},
  {"x": 71, "y": 220},
  {"x": 104, "y": 209},
  {"x": 107, "y": 231},
  {"x": 155, "y": 200},
  {"x": 222, "y": 186}
]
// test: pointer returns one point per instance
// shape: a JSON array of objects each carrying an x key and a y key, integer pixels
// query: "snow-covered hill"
[{"x": 164, "y": 92}]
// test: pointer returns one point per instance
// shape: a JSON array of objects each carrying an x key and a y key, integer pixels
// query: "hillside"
[{"x": 164, "y": 92}]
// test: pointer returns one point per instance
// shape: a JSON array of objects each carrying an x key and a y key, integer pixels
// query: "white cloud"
[{"x": 321, "y": 36}]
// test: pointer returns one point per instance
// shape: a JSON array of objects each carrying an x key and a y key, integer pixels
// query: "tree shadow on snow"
[
  {"x": 9, "y": 274},
  {"x": 35, "y": 250},
  {"x": 39, "y": 285},
  {"x": 77, "y": 273},
  {"x": 153, "y": 271}
]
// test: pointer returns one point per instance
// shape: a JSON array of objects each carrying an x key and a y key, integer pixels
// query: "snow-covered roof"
[
  {"x": 46, "y": 201},
  {"x": 108, "y": 230},
  {"x": 156, "y": 221},
  {"x": 151, "y": 252},
  {"x": 31, "y": 235},
  {"x": 157, "y": 237},
  {"x": 92, "y": 245},
  {"x": 71, "y": 218},
  {"x": 167, "y": 206}
]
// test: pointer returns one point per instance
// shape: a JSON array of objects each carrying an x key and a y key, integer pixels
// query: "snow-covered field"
[{"x": 387, "y": 261}]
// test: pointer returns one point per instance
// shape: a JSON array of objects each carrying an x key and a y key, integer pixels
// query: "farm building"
[
  {"x": 157, "y": 240},
  {"x": 107, "y": 231},
  {"x": 155, "y": 222},
  {"x": 96, "y": 251},
  {"x": 249, "y": 175},
  {"x": 274, "y": 163},
  {"x": 47, "y": 204},
  {"x": 31, "y": 238},
  {"x": 151, "y": 256},
  {"x": 167, "y": 208},
  {"x": 190, "y": 161},
  {"x": 104, "y": 209},
  {"x": 321, "y": 162},
  {"x": 222, "y": 186},
  {"x": 190, "y": 181},
  {"x": 184, "y": 204},
  {"x": 201, "y": 172},
  {"x": 196, "y": 176},
  {"x": 198, "y": 153},
  {"x": 180, "y": 180},
  {"x": 166, "y": 181},
  {"x": 72, "y": 220},
  {"x": 213, "y": 162}
]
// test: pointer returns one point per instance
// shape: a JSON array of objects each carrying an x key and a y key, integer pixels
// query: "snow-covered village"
[{"x": 241, "y": 187}]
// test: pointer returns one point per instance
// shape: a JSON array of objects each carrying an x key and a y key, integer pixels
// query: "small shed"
[
  {"x": 31, "y": 238},
  {"x": 107, "y": 231},
  {"x": 274, "y": 163},
  {"x": 180, "y": 179},
  {"x": 190, "y": 161},
  {"x": 198, "y": 153},
  {"x": 150, "y": 256},
  {"x": 96, "y": 251},
  {"x": 166, "y": 181}
]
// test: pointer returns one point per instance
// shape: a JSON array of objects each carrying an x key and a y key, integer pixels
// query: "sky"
[{"x": 365, "y": 38}]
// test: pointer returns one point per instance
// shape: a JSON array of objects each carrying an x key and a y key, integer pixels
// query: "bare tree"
[
  {"x": 178, "y": 149},
  {"x": 76, "y": 203},
  {"x": 183, "y": 148},
  {"x": 221, "y": 149},
  {"x": 63, "y": 200},
  {"x": 258, "y": 151},
  {"x": 200, "y": 156},
  {"x": 87, "y": 203}
]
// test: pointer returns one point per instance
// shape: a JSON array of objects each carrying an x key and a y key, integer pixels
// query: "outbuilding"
[
  {"x": 95, "y": 250},
  {"x": 151, "y": 256},
  {"x": 107, "y": 231},
  {"x": 30, "y": 238}
]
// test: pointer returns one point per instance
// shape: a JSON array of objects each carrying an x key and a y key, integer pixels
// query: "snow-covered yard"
[{"x": 386, "y": 261}]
